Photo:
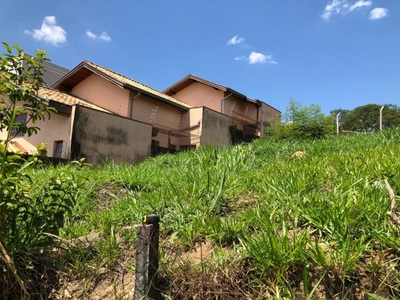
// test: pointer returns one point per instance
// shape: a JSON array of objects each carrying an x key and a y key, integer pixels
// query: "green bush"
[{"x": 30, "y": 215}]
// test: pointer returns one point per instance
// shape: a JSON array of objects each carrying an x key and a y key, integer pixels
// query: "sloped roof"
[
  {"x": 14, "y": 147},
  {"x": 57, "y": 96},
  {"x": 189, "y": 79},
  {"x": 86, "y": 68}
]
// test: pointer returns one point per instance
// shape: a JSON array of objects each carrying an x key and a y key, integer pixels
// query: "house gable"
[{"x": 98, "y": 90}]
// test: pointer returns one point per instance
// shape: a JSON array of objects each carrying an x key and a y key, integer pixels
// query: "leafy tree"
[
  {"x": 343, "y": 113},
  {"x": 366, "y": 117},
  {"x": 302, "y": 123},
  {"x": 29, "y": 216}
]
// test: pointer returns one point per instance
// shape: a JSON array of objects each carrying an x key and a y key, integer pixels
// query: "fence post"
[{"x": 146, "y": 272}]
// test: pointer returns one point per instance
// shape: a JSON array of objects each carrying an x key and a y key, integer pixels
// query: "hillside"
[{"x": 242, "y": 222}]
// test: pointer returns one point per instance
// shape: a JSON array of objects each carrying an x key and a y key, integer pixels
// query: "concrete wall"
[
  {"x": 215, "y": 128},
  {"x": 149, "y": 110},
  {"x": 99, "y": 136},
  {"x": 162, "y": 115},
  {"x": 100, "y": 91},
  {"x": 268, "y": 115}
]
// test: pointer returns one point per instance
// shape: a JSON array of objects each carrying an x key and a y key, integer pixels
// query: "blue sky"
[{"x": 334, "y": 53}]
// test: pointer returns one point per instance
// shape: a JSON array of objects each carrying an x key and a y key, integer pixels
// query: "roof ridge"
[
  {"x": 135, "y": 81},
  {"x": 119, "y": 74}
]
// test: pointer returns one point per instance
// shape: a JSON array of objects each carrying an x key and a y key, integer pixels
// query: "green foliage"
[
  {"x": 302, "y": 123},
  {"x": 31, "y": 213},
  {"x": 294, "y": 227},
  {"x": 20, "y": 79},
  {"x": 367, "y": 117}
]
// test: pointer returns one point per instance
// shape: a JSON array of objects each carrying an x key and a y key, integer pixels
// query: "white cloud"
[
  {"x": 50, "y": 32},
  {"x": 103, "y": 36},
  {"x": 343, "y": 7},
  {"x": 334, "y": 8},
  {"x": 235, "y": 40},
  {"x": 240, "y": 57},
  {"x": 259, "y": 58},
  {"x": 360, "y": 4},
  {"x": 378, "y": 13},
  {"x": 91, "y": 35}
]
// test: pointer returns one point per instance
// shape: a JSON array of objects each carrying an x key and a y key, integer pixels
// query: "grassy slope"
[{"x": 252, "y": 221}]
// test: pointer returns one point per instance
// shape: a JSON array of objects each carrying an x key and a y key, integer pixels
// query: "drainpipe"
[
  {"x": 131, "y": 106},
  {"x": 222, "y": 101}
]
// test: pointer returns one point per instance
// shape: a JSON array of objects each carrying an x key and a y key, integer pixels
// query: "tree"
[
  {"x": 302, "y": 123},
  {"x": 26, "y": 212},
  {"x": 343, "y": 113},
  {"x": 20, "y": 80},
  {"x": 366, "y": 117}
]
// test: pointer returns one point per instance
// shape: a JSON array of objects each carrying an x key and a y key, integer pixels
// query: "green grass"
[{"x": 295, "y": 228}]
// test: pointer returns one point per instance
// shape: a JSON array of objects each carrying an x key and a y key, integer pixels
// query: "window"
[
  {"x": 58, "y": 147},
  {"x": 19, "y": 119}
]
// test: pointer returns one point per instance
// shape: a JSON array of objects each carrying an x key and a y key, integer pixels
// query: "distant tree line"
[
  {"x": 308, "y": 122},
  {"x": 367, "y": 117}
]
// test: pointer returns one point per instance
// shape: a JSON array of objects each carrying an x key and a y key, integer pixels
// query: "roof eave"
[{"x": 237, "y": 94}]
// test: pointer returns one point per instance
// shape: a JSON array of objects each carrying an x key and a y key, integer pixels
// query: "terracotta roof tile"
[
  {"x": 51, "y": 94},
  {"x": 125, "y": 80}
]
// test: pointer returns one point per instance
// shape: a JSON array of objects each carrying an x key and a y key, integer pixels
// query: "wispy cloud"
[
  {"x": 360, "y": 4},
  {"x": 259, "y": 58},
  {"x": 235, "y": 40},
  {"x": 343, "y": 7},
  {"x": 378, "y": 13},
  {"x": 103, "y": 36},
  {"x": 50, "y": 32}
]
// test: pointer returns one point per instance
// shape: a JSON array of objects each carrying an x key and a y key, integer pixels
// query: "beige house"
[
  {"x": 103, "y": 115},
  {"x": 249, "y": 117},
  {"x": 83, "y": 129}
]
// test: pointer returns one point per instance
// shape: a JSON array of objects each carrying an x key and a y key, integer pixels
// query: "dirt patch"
[{"x": 110, "y": 285}]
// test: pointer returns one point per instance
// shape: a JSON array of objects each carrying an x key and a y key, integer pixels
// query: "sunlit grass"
[{"x": 302, "y": 227}]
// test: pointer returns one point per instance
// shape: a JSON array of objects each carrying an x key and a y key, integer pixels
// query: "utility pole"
[
  {"x": 380, "y": 117},
  {"x": 337, "y": 123}
]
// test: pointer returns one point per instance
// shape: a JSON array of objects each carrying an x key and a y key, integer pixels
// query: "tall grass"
[{"x": 309, "y": 227}]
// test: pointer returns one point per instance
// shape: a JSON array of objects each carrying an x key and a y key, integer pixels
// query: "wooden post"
[{"x": 146, "y": 281}]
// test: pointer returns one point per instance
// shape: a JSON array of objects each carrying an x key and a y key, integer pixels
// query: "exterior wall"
[
  {"x": 149, "y": 110},
  {"x": 193, "y": 121},
  {"x": 100, "y": 91},
  {"x": 164, "y": 116},
  {"x": 268, "y": 115},
  {"x": 57, "y": 128},
  {"x": 99, "y": 136},
  {"x": 215, "y": 128},
  {"x": 235, "y": 106},
  {"x": 53, "y": 72},
  {"x": 199, "y": 94}
]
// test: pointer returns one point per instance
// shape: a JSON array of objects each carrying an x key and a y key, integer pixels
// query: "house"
[
  {"x": 171, "y": 129},
  {"x": 77, "y": 120},
  {"x": 249, "y": 117},
  {"x": 190, "y": 113},
  {"x": 52, "y": 72},
  {"x": 103, "y": 115}
]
